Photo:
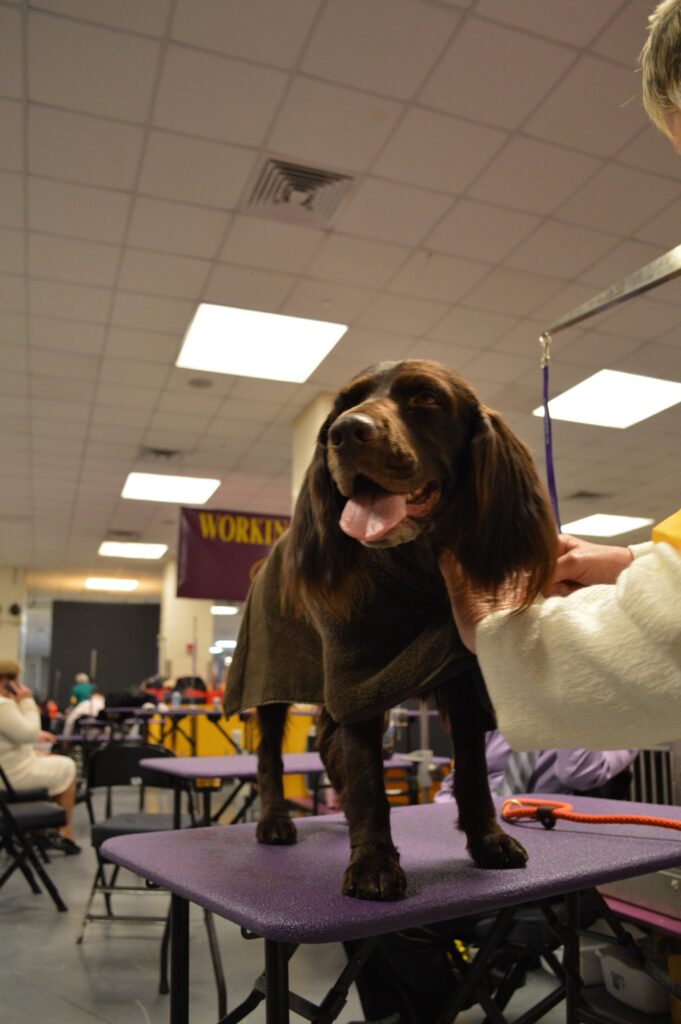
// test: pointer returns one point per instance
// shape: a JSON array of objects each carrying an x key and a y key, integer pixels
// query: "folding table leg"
[
  {"x": 276, "y": 982},
  {"x": 571, "y": 959},
  {"x": 217, "y": 963},
  {"x": 179, "y": 960}
]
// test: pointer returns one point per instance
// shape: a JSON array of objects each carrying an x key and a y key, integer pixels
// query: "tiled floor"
[{"x": 113, "y": 976}]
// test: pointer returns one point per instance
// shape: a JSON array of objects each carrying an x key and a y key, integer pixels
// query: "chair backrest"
[
  {"x": 7, "y": 788},
  {"x": 119, "y": 765}
]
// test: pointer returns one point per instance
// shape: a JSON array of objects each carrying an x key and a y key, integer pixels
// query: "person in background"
[
  {"x": 87, "y": 708},
  {"x": 24, "y": 766},
  {"x": 82, "y": 688}
]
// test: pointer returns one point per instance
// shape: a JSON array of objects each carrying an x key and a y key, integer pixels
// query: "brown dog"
[{"x": 351, "y": 612}]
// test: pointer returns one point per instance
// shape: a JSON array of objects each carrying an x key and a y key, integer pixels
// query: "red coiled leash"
[{"x": 549, "y": 811}]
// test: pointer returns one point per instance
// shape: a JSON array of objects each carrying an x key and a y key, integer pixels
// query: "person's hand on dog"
[
  {"x": 470, "y": 604},
  {"x": 581, "y": 564}
]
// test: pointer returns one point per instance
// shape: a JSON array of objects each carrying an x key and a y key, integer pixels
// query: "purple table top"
[
  {"x": 242, "y": 766},
  {"x": 225, "y": 870}
]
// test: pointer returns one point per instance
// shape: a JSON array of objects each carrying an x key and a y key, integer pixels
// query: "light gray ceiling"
[{"x": 503, "y": 171}]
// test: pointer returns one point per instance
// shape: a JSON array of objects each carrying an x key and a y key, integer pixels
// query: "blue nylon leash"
[{"x": 545, "y": 342}]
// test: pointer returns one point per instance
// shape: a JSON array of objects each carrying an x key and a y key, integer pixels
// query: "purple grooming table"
[
  {"x": 291, "y": 894},
  {"x": 242, "y": 768}
]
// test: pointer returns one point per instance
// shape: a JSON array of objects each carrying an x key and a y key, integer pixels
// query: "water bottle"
[{"x": 176, "y": 698}]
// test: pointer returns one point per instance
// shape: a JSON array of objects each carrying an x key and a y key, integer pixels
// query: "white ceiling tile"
[
  {"x": 619, "y": 199},
  {"x": 237, "y": 409},
  {"x": 401, "y": 314},
  {"x": 11, "y": 251},
  {"x": 663, "y": 230},
  {"x": 450, "y": 353},
  {"x": 14, "y": 385},
  {"x": 12, "y": 293},
  {"x": 180, "y": 380},
  {"x": 11, "y": 53},
  {"x": 621, "y": 261},
  {"x": 149, "y": 17},
  {"x": 62, "y": 388},
  {"x": 176, "y": 227},
  {"x": 561, "y": 250},
  {"x": 151, "y": 312},
  {"x": 651, "y": 151},
  {"x": 265, "y": 31},
  {"x": 194, "y": 170},
  {"x": 77, "y": 211},
  {"x": 332, "y": 127},
  {"x": 264, "y": 390},
  {"x": 14, "y": 358},
  {"x": 145, "y": 345},
  {"x": 12, "y": 134},
  {"x": 576, "y": 23},
  {"x": 124, "y": 371},
  {"x": 12, "y": 329},
  {"x": 257, "y": 242},
  {"x": 595, "y": 108},
  {"x": 652, "y": 360},
  {"x": 596, "y": 349},
  {"x": 119, "y": 415},
  {"x": 512, "y": 291},
  {"x": 75, "y": 302},
  {"x": 230, "y": 285},
  {"x": 61, "y": 409},
  {"x": 125, "y": 431},
  {"x": 80, "y": 148},
  {"x": 359, "y": 341},
  {"x": 53, "y": 363},
  {"x": 356, "y": 261},
  {"x": 66, "y": 335},
  {"x": 65, "y": 259},
  {"x": 392, "y": 213},
  {"x": 127, "y": 396},
  {"x": 326, "y": 300},
  {"x": 559, "y": 304},
  {"x": 534, "y": 176},
  {"x": 623, "y": 37},
  {"x": 480, "y": 231},
  {"x": 436, "y": 151},
  {"x": 182, "y": 439},
  {"x": 525, "y": 68},
  {"x": 197, "y": 403},
  {"x": 499, "y": 367},
  {"x": 184, "y": 423},
  {"x": 202, "y": 94},
  {"x": 160, "y": 274},
  {"x": 11, "y": 200},
  {"x": 472, "y": 327},
  {"x": 393, "y": 44},
  {"x": 90, "y": 69},
  {"x": 643, "y": 318},
  {"x": 431, "y": 275},
  {"x": 245, "y": 430}
]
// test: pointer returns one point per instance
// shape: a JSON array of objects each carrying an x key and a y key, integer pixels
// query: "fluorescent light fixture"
[
  {"x": 224, "y": 609},
  {"x": 215, "y": 649},
  {"x": 244, "y": 342},
  {"x": 605, "y": 526},
  {"x": 120, "y": 549},
  {"x": 101, "y": 583},
  {"x": 613, "y": 399},
  {"x": 229, "y": 644},
  {"x": 227, "y": 659},
  {"x": 182, "y": 490}
]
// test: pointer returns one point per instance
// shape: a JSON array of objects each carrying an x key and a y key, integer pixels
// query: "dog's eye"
[{"x": 426, "y": 398}]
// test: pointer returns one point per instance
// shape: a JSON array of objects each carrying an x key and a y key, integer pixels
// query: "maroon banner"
[{"x": 220, "y": 552}]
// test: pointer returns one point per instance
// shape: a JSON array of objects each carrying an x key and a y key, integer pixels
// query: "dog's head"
[{"x": 408, "y": 449}]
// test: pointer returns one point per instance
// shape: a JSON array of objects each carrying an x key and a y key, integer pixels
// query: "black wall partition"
[{"x": 115, "y": 643}]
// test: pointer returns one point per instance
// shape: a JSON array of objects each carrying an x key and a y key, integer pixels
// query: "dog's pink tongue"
[{"x": 369, "y": 517}]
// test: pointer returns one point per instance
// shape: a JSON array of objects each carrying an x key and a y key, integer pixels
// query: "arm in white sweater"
[
  {"x": 19, "y": 722},
  {"x": 598, "y": 669}
]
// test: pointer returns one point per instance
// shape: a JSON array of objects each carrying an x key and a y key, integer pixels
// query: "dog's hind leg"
[
  {"x": 330, "y": 746},
  {"x": 374, "y": 871},
  {"x": 274, "y": 825},
  {"x": 487, "y": 843}
]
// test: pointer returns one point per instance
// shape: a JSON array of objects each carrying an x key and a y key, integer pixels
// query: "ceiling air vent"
[
  {"x": 160, "y": 455},
  {"x": 588, "y": 495},
  {"x": 124, "y": 535},
  {"x": 293, "y": 192}
]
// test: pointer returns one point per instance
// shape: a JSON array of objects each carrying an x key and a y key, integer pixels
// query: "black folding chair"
[{"x": 24, "y": 817}]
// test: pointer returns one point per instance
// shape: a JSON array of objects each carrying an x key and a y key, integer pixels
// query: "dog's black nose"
[{"x": 354, "y": 429}]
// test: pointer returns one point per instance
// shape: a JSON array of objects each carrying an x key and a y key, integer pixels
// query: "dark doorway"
[{"x": 123, "y": 637}]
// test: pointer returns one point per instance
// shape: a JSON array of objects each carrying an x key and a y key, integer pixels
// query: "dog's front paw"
[
  {"x": 276, "y": 830},
  {"x": 374, "y": 875},
  {"x": 498, "y": 850}
]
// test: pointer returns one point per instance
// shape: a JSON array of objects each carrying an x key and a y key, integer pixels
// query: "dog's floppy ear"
[
  {"x": 320, "y": 560},
  {"x": 506, "y": 527}
]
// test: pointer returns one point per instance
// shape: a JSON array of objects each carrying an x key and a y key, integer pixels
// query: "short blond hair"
[
  {"x": 660, "y": 63},
  {"x": 9, "y": 669}
]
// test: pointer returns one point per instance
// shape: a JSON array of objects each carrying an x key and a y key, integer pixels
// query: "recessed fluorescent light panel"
[
  {"x": 101, "y": 583},
  {"x": 182, "y": 490},
  {"x": 605, "y": 526},
  {"x": 614, "y": 399},
  {"x": 120, "y": 549},
  {"x": 244, "y": 342},
  {"x": 224, "y": 609}
]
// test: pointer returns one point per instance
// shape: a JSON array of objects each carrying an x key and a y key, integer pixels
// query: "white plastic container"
[{"x": 629, "y": 984}]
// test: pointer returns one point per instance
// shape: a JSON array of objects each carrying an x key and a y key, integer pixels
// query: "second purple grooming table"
[
  {"x": 291, "y": 894},
  {"x": 242, "y": 769}
]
